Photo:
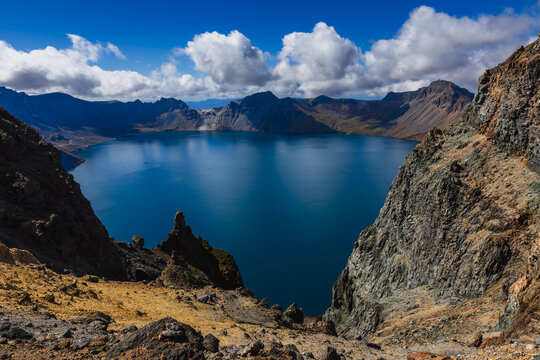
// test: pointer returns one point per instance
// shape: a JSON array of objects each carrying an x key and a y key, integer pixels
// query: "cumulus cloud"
[
  {"x": 433, "y": 45},
  {"x": 229, "y": 59},
  {"x": 317, "y": 62},
  {"x": 428, "y": 46}
]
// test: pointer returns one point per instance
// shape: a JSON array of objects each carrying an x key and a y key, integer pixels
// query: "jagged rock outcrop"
[
  {"x": 42, "y": 209},
  {"x": 218, "y": 265},
  {"x": 462, "y": 216}
]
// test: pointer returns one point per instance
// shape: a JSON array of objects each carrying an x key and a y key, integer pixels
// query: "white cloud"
[
  {"x": 428, "y": 46},
  {"x": 229, "y": 59},
  {"x": 433, "y": 45},
  {"x": 317, "y": 62}
]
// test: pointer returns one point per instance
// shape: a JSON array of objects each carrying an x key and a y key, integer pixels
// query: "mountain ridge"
[{"x": 71, "y": 123}]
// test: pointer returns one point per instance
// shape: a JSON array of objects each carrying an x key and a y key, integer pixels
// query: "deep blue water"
[{"x": 289, "y": 208}]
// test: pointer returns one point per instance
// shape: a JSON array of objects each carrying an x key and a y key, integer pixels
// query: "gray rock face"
[
  {"x": 506, "y": 106},
  {"x": 453, "y": 220}
]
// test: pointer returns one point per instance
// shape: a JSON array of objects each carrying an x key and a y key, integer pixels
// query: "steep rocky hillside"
[
  {"x": 42, "y": 208},
  {"x": 460, "y": 228}
]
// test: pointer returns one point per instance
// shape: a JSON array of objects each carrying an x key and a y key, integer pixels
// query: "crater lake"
[{"x": 288, "y": 208}]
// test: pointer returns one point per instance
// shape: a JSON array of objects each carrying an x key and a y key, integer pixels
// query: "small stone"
[
  {"x": 515, "y": 341},
  {"x": 25, "y": 299},
  {"x": 50, "y": 298},
  {"x": 224, "y": 332},
  {"x": 330, "y": 354},
  {"x": 66, "y": 334},
  {"x": 264, "y": 303},
  {"x": 277, "y": 307},
  {"x": 204, "y": 299},
  {"x": 211, "y": 343},
  {"x": 440, "y": 341},
  {"x": 261, "y": 331},
  {"x": 3, "y": 340},
  {"x": 92, "y": 278},
  {"x": 537, "y": 340},
  {"x": 371, "y": 345},
  {"x": 412, "y": 307},
  {"x": 252, "y": 349},
  {"x": 81, "y": 343},
  {"x": 308, "y": 354},
  {"x": 245, "y": 336},
  {"x": 476, "y": 340}
]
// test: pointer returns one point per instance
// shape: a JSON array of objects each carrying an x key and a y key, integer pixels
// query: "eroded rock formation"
[{"x": 218, "y": 265}]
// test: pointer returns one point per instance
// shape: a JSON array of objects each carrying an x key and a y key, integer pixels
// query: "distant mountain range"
[{"x": 70, "y": 123}]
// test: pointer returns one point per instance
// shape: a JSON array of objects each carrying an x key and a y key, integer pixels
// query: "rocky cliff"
[
  {"x": 461, "y": 222},
  {"x": 42, "y": 208}
]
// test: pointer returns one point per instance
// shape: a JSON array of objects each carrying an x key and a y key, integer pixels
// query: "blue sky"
[{"x": 147, "y": 35}]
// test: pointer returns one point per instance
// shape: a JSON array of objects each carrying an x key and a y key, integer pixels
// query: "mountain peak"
[{"x": 258, "y": 99}]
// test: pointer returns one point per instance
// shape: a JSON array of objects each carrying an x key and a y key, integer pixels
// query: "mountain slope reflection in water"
[{"x": 288, "y": 208}]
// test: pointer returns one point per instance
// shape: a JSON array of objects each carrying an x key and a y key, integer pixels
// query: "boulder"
[
  {"x": 294, "y": 313},
  {"x": 138, "y": 241},
  {"x": 211, "y": 343},
  {"x": 165, "y": 338}
]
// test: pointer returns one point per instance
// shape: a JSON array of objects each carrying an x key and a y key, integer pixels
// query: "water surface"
[{"x": 288, "y": 208}]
